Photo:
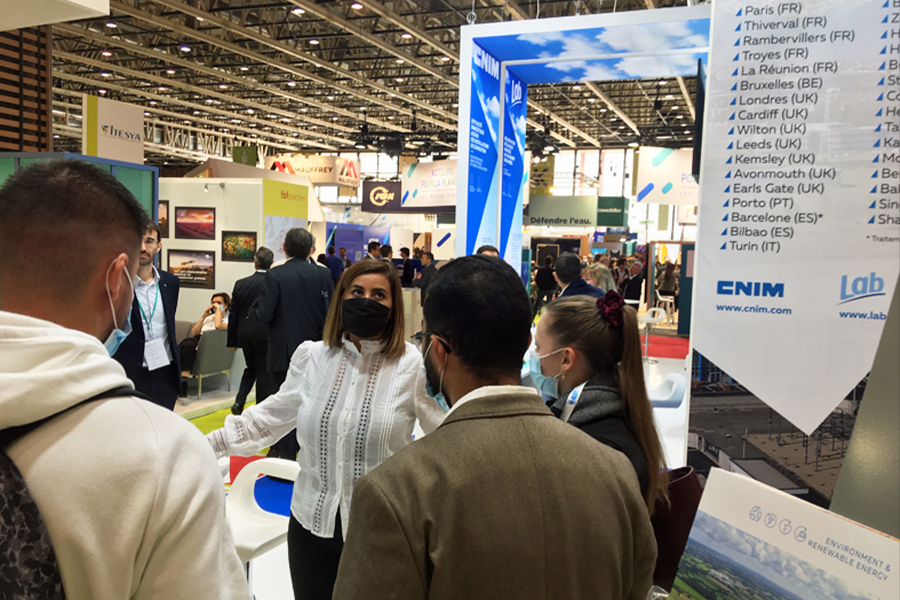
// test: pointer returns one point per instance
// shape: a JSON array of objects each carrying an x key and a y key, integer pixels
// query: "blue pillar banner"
[
  {"x": 514, "y": 172},
  {"x": 484, "y": 124}
]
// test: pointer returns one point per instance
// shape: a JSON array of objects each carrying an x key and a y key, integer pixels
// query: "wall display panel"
[
  {"x": 162, "y": 219},
  {"x": 193, "y": 268},
  {"x": 195, "y": 223},
  {"x": 238, "y": 246}
]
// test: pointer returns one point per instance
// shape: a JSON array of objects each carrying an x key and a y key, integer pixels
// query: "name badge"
[
  {"x": 155, "y": 355},
  {"x": 571, "y": 401}
]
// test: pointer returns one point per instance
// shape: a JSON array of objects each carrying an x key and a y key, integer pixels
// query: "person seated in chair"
[{"x": 214, "y": 316}]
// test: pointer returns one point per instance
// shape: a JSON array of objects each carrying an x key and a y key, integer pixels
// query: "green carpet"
[{"x": 211, "y": 421}]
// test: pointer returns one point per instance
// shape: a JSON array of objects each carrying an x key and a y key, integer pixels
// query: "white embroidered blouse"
[{"x": 352, "y": 411}]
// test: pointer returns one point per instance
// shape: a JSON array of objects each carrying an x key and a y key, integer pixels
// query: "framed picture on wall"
[
  {"x": 238, "y": 246},
  {"x": 163, "y": 219},
  {"x": 194, "y": 268},
  {"x": 195, "y": 223}
]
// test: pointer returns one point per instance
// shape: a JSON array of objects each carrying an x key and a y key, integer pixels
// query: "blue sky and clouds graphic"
[{"x": 662, "y": 49}]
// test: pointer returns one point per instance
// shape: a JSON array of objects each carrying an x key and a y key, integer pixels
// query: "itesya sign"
[{"x": 112, "y": 130}]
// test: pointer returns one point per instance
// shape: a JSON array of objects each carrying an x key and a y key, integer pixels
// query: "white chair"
[
  {"x": 255, "y": 530},
  {"x": 654, "y": 316},
  {"x": 670, "y": 394},
  {"x": 669, "y": 303}
]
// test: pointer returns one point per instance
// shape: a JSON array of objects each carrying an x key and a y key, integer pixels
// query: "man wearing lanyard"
[{"x": 149, "y": 355}]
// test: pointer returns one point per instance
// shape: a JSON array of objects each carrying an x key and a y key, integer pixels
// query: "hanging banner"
[
  {"x": 429, "y": 187},
  {"x": 751, "y": 541},
  {"x": 321, "y": 170},
  {"x": 663, "y": 176},
  {"x": 513, "y": 173},
  {"x": 612, "y": 211},
  {"x": 542, "y": 176},
  {"x": 382, "y": 196},
  {"x": 112, "y": 130},
  {"x": 562, "y": 211},
  {"x": 245, "y": 155},
  {"x": 788, "y": 168}
]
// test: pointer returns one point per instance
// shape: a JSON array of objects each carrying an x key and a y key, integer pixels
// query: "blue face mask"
[
  {"x": 117, "y": 336},
  {"x": 547, "y": 385},
  {"x": 429, "y": 389}
]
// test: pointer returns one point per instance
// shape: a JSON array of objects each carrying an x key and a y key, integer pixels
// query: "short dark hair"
[
  {"x": 373, "y": 246},
  {"x": 429, "y": 255},
  {"x": 487, "y": 248},
  {"x": 151, "y": 226},
  {"x": 298, "y": 242},
  {"x": 224, "y": 296},
  {"x": 568, "y": 268},
  {"x": 330, "y": 250},
  {"x": 71, "y": 201},
  {"x": 548, "y": 261},
  {"x": 404, "y": 251},
  {"x": 264, "y": 258},
  {"x": 479, "y": 306},
  {"x": 386, "y": 249}
]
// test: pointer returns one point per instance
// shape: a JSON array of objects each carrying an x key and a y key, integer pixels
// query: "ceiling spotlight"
[
  {"x": 161, "y": 88},
  {"x": 245, "y": 68},
  {"x": 209, "y": 100},
  {"x": 101, "y": 91},
  {"x": 196, "y": 112},
  {"x": 679, "y": 116},
  {"x": 304, "y": 109},
  {"x": 146, "y": 114},
  {"x": 104, "y": 74},
  {"x": 298, "y": 11},
  {"x": 222, "y": 86},
  {"x": 592, "y": 100},
  {"x": 199, "y": 19},
  {"x": 330, "y": 97},
  {"x": 549, "y": 148},
  {"x": 356, "y": 6},
  {"x": 633, "y": 144},
  {"x": 456, "y": 105},
  {"x": 111, "y": 24},
  {"x": 362, "y": 108},
  {"x": 106, "y": 53},
  {"x": 675, "y": 107},
  {"x": 576, "y": 87},
  {"x": 153, "y": 103},
  {"x": 314, "y": 42},
  {"x": 291, "y": 83},
  {"x": 603, "y": 110},
  {"x": 170, "y": 71},
  {"x": 400, "y": 61},
  {"x": 360, "y": 145},
  {"x": 669, "y": 96},
  {"x": 399, "y": 80},
  {"x": 687, "y": 131},
  {"x": 406, "y": 35},
  {"x": 445, "y": 58},
  {"x": 185, "y": 48},
  {"x": 663, "y": 82}
]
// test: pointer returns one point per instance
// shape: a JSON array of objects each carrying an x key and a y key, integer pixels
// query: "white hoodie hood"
[{"x": 46, "y": 368}]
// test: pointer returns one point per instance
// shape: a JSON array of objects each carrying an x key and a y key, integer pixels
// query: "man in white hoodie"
[{"x": 129, "y": 493}]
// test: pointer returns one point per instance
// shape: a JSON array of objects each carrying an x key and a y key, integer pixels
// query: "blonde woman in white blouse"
[{"x": 354, "y": 398}]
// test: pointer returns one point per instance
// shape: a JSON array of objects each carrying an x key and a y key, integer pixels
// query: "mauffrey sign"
[
  {"x": 382, "y": 196},
  {"x": 321, "y": 170}
]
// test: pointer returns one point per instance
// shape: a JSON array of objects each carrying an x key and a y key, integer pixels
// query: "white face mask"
[{"x": 117, "y": 336}]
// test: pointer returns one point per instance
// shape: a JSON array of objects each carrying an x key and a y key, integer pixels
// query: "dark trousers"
[
  {"x": 255, "y": 356},
  {"x": 313, "y": 561},
  {"x": 540, "y": 298},
  {"x": 188, "y": 350},
  {"x": 288, "y": 446},
  {"x": 162, "y": 385}
]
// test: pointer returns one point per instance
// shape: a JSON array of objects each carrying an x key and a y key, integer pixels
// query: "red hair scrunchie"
[{"x": 610, "y": 307}]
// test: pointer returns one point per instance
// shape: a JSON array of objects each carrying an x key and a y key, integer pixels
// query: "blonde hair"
[
  {"x": 602, "y": 275},
  {"x": 395, "y": 332},
  {"x": 576, "y": 322}
]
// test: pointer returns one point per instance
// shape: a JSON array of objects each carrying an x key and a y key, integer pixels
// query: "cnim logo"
[
  {"x": 380, "y": 196},
  {"x": 860, "y": 288},
  {"x": 750, "y": 288},
  {"x": 113, "y": 131}
]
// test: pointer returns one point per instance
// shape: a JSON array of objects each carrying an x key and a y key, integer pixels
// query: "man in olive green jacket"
[{"x": 503, "y": 500}]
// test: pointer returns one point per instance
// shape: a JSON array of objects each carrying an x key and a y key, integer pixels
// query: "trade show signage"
[
  {"x": 429, "y": 187},
  {"x": 562, "y": 211},
  {"x": 382, "y": 196},
  {"x": 664, "y": 176},
  {"x": 789, "y": 167},
  {"x": 514, "y": 175},
  {"x": 750, "y": 540},
  {"x": 542, "y": 176},
  {"x": 612, "y": 211},
  {"x": 112, "y": 130},
  {"x": 285, "y": 199},
  {"x": 321, "y": 170},
  {"x": 245, "y": 155}
]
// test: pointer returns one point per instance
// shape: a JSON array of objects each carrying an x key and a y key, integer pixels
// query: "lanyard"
[
  {"x": 571, "y": 401},
  {"x": 149, "y": 321}
]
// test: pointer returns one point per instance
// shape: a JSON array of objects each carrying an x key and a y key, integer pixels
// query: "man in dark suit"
[
  {"x": 568, "y": 274},
  {"x": 478, "y": 508},
  {"x": 428, "y": 271},
  {"x": 546, "y": 284},
  {"x": 407, "y": 272},
  {"x": 244, "y": 332},
  {"x": 634, "y": 282},
  {"x": 343, "y": 254},
  {"x": 293, "y": 304},
  {"x": 335, "y": 264},
  {"x": 150, "y": 354}
]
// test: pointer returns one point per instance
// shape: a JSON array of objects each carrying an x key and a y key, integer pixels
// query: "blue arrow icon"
[
  {"x": 728, "y": 162},
  {"x": 731, "y": 132},
  {"x": 725, "y": 218},
  {"x": 872, "y": 205},
  {"x": 728, "y": 190},
  {"x": 726, "y": 204},
  {"x": 728, "y": 176},
  {"x": 738, "y": 56},
  {"x": 875, "y": 160},
  {"x": 874, "y": 190},
  {"x": 725, "y": 231},
  {"x": 723, "y": 246},
  {"x": 872, "y": 221},
  {"x": 731, "y": 118},
  {"x": 738, "y": 28},
  {"x": 730, "y": 146},
  {"x": 877, "y": 144}
]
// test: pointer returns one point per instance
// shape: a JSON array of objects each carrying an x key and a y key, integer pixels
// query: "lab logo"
[
  {"x": 867, "y": 286},
  {"x": 516, "y": 95},
  {"x": 750, "y": 288}
]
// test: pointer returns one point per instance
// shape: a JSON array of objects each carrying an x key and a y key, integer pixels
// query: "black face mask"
[{"x": 364, "y": 317}]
